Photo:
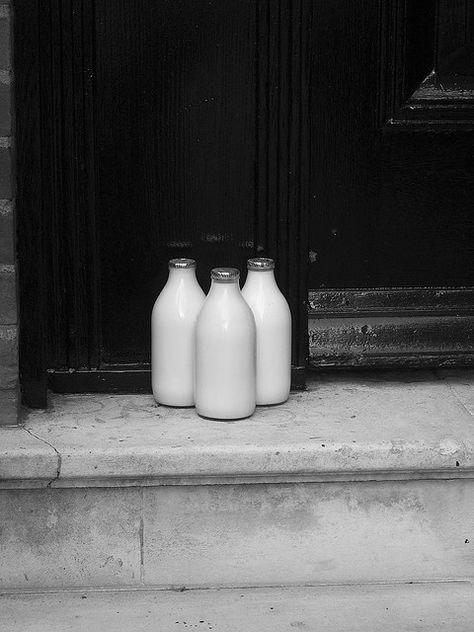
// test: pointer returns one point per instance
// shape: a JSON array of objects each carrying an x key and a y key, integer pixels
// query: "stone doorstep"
[
  {"x": 426, "y": 607},
  {"x": 359, "y": 426},
  {"x": 141, "y": 502}
]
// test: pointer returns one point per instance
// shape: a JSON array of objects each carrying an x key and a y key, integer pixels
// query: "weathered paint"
[{"x": 416, "y": 327}]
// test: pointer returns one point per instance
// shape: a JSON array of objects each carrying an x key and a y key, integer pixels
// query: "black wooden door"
[
  {"x": 313, "y": 132},
  {"x": 392, "y": 183}
]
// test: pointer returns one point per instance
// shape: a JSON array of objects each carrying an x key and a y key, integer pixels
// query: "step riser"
[{"x": 237, "y": 535}]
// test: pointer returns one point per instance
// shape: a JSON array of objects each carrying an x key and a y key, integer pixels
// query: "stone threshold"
[
  {"x": 426, "y": 607},
  {"x": 346, "y": 426}
]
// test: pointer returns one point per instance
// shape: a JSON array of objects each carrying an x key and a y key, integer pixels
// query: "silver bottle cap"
[
  {"x": 181, "y": 263},
  {"x": 225, "y": 275},
  {"x": 260, "y": 263}
]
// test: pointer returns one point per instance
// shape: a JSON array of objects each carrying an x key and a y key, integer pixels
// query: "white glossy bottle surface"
[
  {"x": 225, "y": 351},
  {"x": 273, "y": 322},
  {"x": 173, "y": 326}
]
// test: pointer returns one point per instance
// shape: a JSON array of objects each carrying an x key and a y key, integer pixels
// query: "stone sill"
[
  {"x": 358, "y": 426},
  {"x": 425, "y": 607}
]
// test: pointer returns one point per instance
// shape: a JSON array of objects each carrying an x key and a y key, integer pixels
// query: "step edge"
[
  {"x": 241, "y": 479},
  {"x": 152, "y": 588}
]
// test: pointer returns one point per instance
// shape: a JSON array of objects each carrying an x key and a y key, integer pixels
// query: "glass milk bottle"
[
  {"x": 225, "y": 351},
  {"x": 173, "y": 324},
  {"x": 273, "y": 322}
]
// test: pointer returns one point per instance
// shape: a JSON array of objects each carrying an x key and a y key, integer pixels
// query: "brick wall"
[{"x": 8, "y": 309}]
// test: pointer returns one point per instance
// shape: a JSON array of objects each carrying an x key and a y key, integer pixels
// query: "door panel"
[
  {"x": 392, "y": 182},
  {"x": 392, "y": 186}
]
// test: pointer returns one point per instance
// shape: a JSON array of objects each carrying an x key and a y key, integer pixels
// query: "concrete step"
[
  {"x": 363, "y": 478},
  {"x": 395, "y": 608}
]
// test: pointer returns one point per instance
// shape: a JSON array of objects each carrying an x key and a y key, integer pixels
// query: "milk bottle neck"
[
  {"x": 182, "y": 275},
  {"x": 260, "y": 279},
  {"x": 223, "y": 289}
]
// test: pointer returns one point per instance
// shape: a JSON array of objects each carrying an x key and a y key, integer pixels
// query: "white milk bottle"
[
  {"x": 173, "y": 324},
  {"x": 273, "y": 322},
  {"x": 225, "y": 351}
]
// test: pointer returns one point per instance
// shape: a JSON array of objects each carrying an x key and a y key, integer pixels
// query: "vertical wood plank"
[
  {"x": 54, "y": 204},
  {"x": 282, "y": 153},
  {"x": 76, "y": 18},
  {"x": 30, "y": 248}
]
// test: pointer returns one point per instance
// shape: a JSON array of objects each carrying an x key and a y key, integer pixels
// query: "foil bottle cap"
[
  {"x": 181, "y": 263},
  {"x": 225, "y": 275},
  {"x": 261, "y": 263}
]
